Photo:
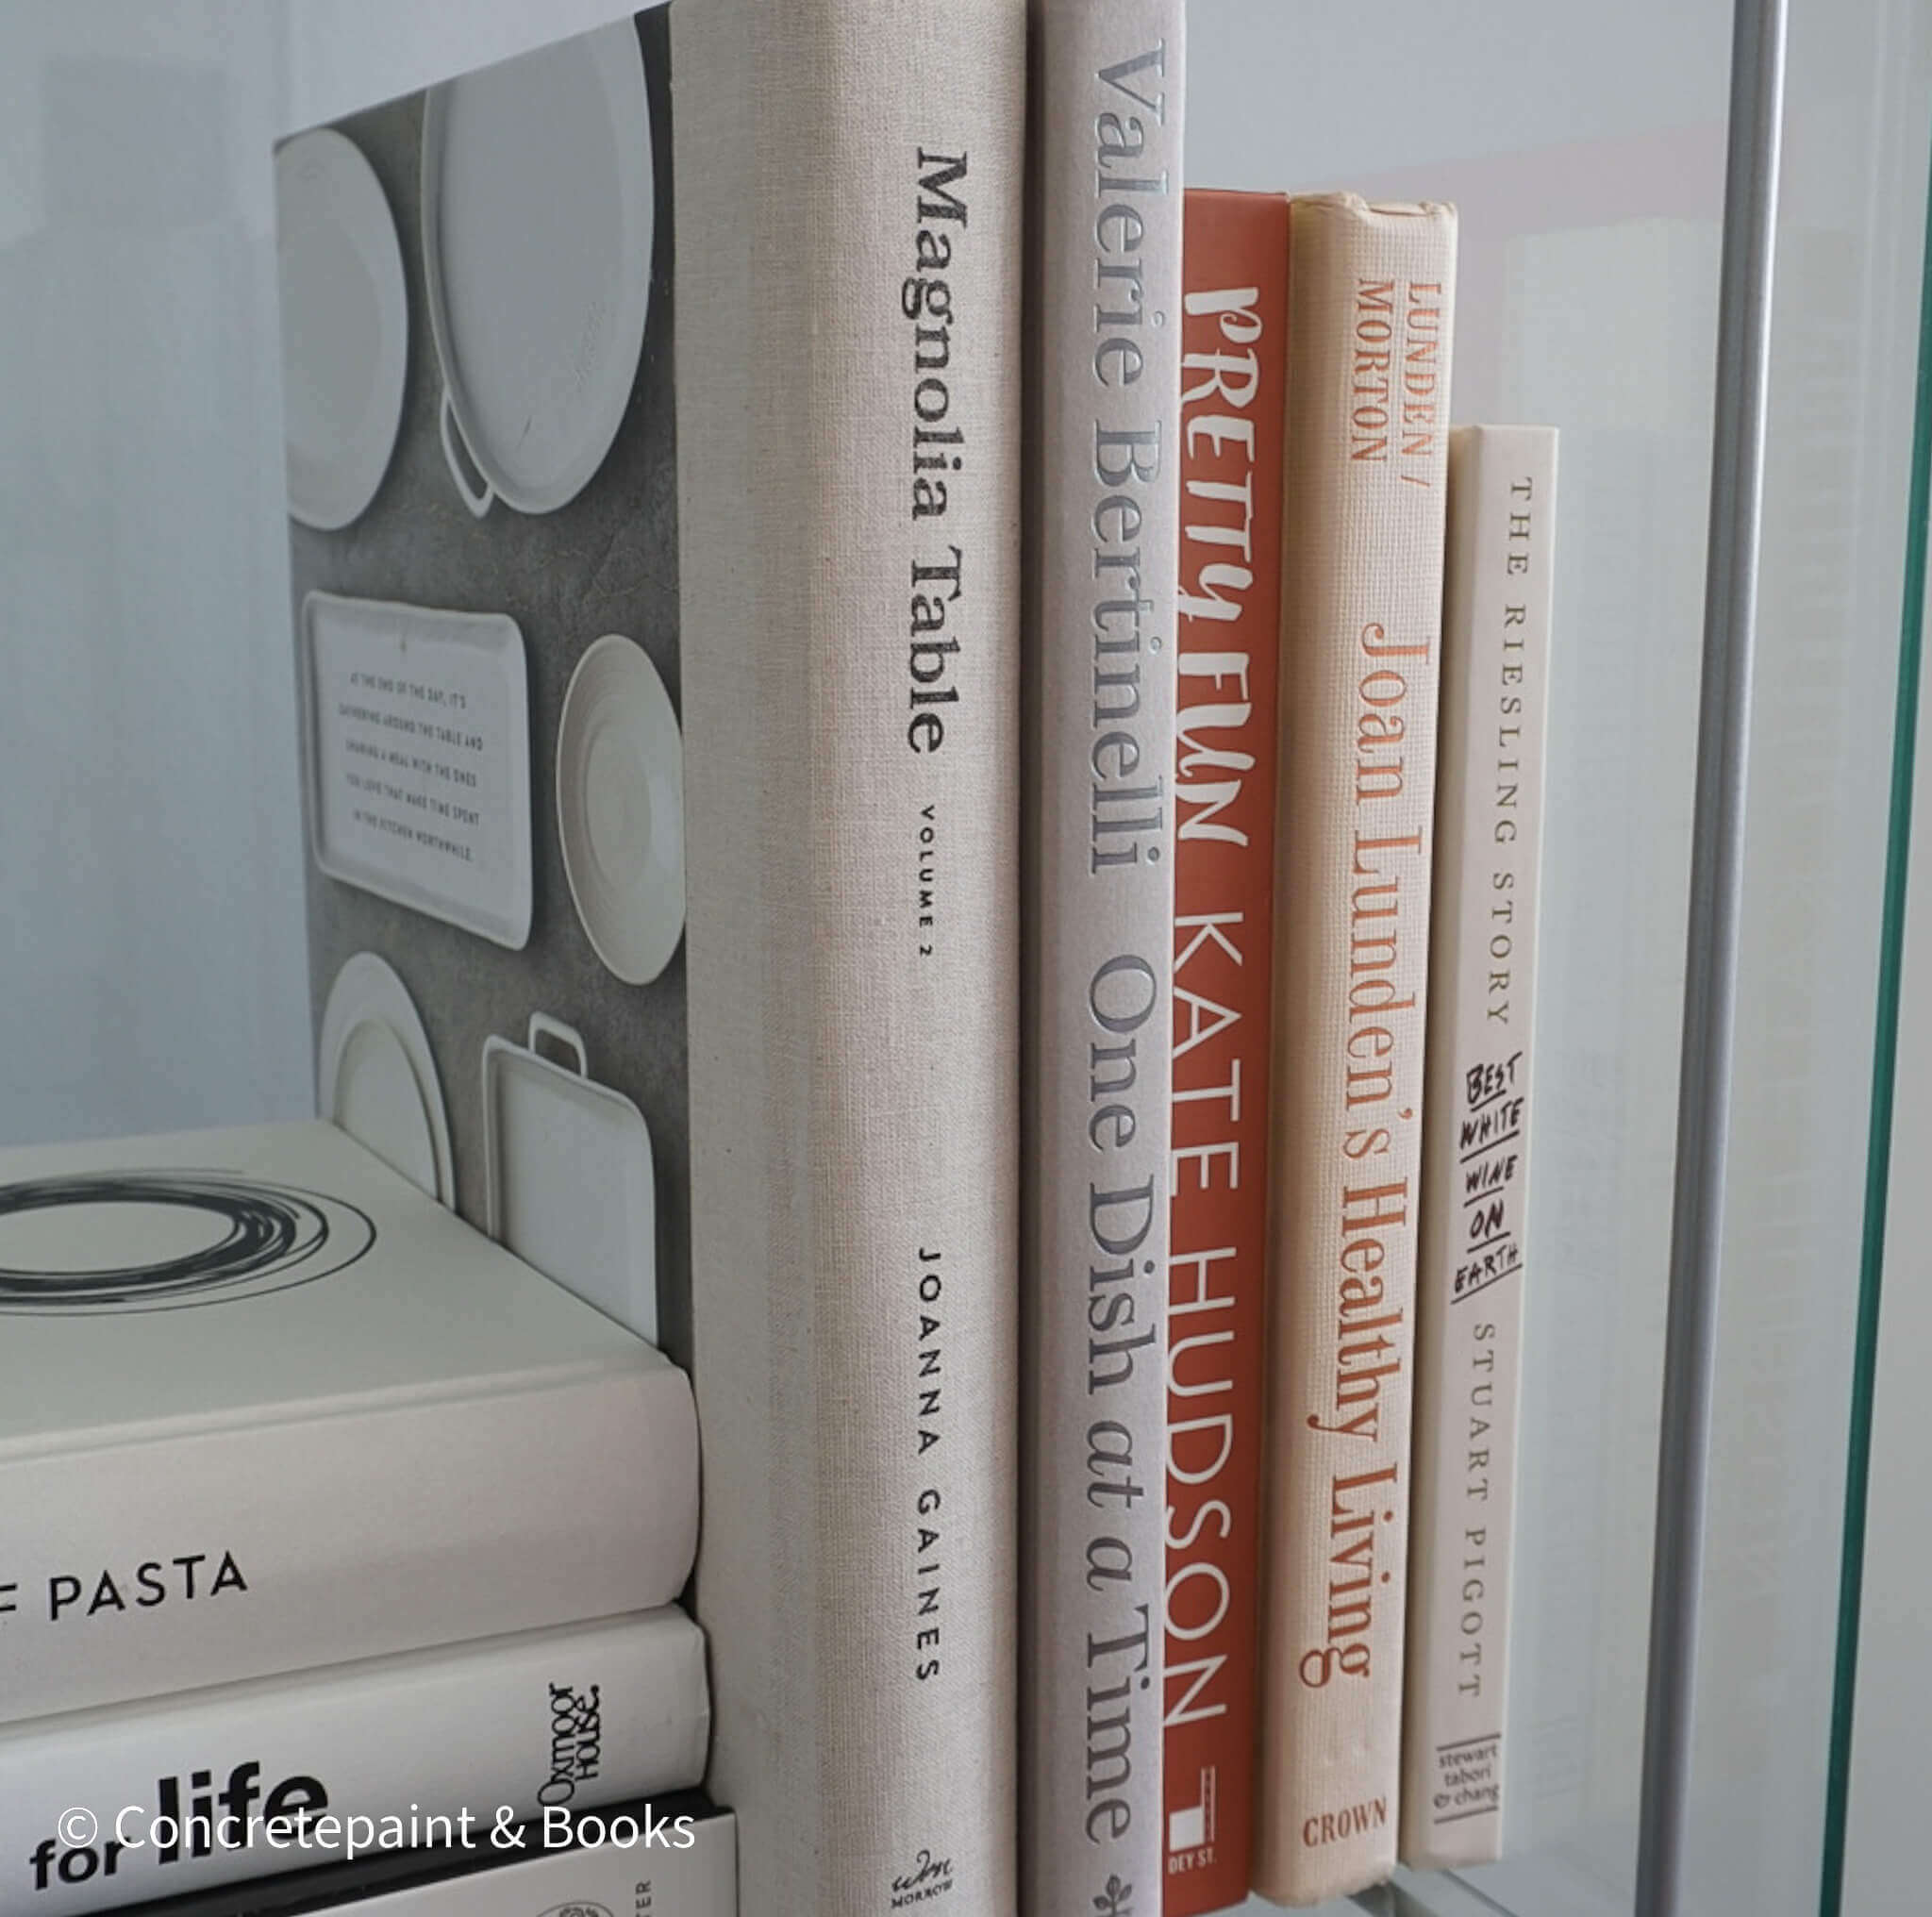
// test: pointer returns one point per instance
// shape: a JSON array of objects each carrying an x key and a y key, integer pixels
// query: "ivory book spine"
[
  {"x": 1476, "y": 1154},
  {"x": 1105, "y": 342},
  {"x": 848, "y": 217},
  {"x": 1370, "y": 296},
  {"x": 1234, "y": 370}
]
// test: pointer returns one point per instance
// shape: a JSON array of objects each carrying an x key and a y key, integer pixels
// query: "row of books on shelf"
[
  {"x": 1363, "y": 600},
  {"x": 1035, "y": 1127},
  {"x": 1355, "y": 864}
]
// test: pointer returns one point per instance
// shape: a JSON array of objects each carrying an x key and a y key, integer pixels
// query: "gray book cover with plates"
[
  {"x": 660, "y": 732},
  {"x": 476, "y": 310}
]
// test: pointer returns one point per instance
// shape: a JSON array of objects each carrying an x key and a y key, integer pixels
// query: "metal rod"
[{"x": 1717, "y": 858}]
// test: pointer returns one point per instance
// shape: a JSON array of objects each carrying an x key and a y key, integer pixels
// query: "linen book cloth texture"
[
  {"x": 1475, "y": 1166},
  {"x": 1103, "y": 458},
  {"x": 1370, "y": 289},
  {"x": 853, "y": 929}
]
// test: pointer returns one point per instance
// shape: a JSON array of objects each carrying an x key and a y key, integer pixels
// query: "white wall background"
[
  {"x": 153, "y": 903},
  {"x": 150, "y": 840},
  {"x": 152, "y": 968}
]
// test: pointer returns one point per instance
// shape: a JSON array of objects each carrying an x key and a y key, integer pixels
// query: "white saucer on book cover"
[
  {"x": 571, "y": 1175},
  {"x": 620, "y": 808},
  {"x": 265, "y": 1407},
  {"x": 537, "y": 225},
  {"x": 377, "y": 1077},
  {"x": 345, "y": 326}
]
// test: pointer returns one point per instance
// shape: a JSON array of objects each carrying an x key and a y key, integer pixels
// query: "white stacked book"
[
  {"x": 245, "y": 1780},
  {"x": 319, "y": 1505}
]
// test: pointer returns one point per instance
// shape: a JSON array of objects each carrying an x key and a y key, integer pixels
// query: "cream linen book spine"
[
  {"x": 848, "y": 216},
  {"x": 1475, "y": 1157},
  {"x": 1105, "y": 340},
  {"x": 1370, "y": 295}
]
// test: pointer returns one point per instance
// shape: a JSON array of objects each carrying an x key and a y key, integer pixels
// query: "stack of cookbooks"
[{"x": 331, "y": 1527}]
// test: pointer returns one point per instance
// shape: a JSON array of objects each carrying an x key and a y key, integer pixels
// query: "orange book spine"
[{"x": 1233, "y": 383}]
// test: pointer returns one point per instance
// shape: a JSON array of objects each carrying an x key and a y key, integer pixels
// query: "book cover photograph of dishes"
[
  {"x": 477, "y": 306},
  {"x": 659, "y": 717}
]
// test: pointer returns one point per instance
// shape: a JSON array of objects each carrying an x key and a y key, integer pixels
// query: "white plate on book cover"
[
  {"x": 537, "y": 221},
  {"x": 377, "y": 1076},
  {"x": 571, "y": 1180},
  {"x": 620, "y": 808},
  {"x": 345, "y": 326}
]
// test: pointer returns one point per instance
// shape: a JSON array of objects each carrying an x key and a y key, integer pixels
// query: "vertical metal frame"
[{"x": 1717, "y": 860}]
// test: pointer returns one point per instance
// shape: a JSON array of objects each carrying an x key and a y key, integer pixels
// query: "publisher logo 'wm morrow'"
[
  {"x": 576, "y": 1732},
  {"x": 930, "y": 1877}
]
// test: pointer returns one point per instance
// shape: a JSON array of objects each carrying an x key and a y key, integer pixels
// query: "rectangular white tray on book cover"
[
  {"x": 571, "y": 1174},
  {"x": 265, "y": 1405},
  {"x": 418, "y": 760}
]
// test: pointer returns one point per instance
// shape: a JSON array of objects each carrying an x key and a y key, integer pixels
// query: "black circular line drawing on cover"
[{"x": 270, "y": 1237}]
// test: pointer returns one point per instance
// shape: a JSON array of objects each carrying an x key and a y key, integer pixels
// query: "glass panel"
[
  {"x": 1883, "y": 1744},
  {"x": 1845, "y": 346},
  {"x": 1592, "y": 198},
  {"x": 1588, "y": 166}
]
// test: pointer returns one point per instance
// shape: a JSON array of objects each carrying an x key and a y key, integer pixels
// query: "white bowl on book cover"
[
  {"x": 345, "y": 326},
  {"x": 537, "y": 225},
  {"x": 375, "y": 1075},
  {"x": 571, "y": 1175},
  {"x": 620, "y": 808}
]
